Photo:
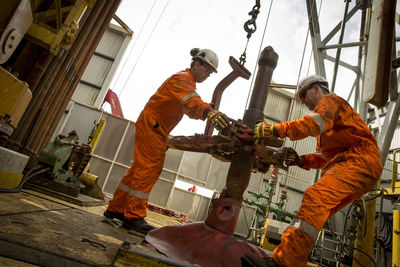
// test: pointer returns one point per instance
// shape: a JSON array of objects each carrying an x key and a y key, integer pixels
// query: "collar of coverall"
[{"x": 190, "y": 74}]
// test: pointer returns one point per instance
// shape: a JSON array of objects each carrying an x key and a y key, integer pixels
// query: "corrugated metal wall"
[
  {"x": 97, "y": 77},
  {"x": 114, "y": 155},
  {"x": 281, "y": 106}
]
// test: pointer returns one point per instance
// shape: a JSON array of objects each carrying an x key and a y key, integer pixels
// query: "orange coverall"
[
  {"x": 176, "y": 96},
  {"x": 350, "y": 160}
]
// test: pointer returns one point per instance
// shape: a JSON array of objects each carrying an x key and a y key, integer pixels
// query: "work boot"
[
  {"x": 114, "y": 215},
  {"x": 250, "y": 259},
  {"x": 139, "y": 225}
]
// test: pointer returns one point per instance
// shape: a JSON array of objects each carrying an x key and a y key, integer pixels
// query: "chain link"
[{"x": 250, "y": 27}]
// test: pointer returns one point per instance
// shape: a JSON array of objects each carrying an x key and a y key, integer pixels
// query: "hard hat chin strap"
[{"x": 325, "y": 88}]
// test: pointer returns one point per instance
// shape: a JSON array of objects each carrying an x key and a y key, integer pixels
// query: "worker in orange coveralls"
[
  {"x": 176, "y": 96},
  {"x": 348, "y": 155}
]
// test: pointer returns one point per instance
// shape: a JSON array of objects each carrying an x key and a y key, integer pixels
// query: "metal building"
[{"x": 97, "y": 77}]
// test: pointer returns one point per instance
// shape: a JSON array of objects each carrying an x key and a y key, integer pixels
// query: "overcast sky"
[{"x": 166, "y": 30}]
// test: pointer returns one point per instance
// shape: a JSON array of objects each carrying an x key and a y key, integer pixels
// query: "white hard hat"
[
  {"x": 207, "y": 56},
  {"x": 305, "y": 83}
]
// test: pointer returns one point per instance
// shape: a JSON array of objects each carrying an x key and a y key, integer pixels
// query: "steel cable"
[
  {"x": 31, "y": 173},
  {"x": 141, "y": 52},
  {"x": 133, "y": 46}
]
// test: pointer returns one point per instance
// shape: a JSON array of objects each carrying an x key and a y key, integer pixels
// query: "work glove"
[
  {"x": 292, "y": 158},
  {"x": 263, "y": 130},
  {"x": 244, "y": 132},
  {"x": 218, "y": 119}
]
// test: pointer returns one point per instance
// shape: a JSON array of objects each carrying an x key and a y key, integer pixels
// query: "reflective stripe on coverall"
[
  {"x": 350, "y": 165},
  {"x": 175, "y": 97}
]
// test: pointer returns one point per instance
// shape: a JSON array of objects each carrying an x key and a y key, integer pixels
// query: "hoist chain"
[{"x": 250, "y": 27}]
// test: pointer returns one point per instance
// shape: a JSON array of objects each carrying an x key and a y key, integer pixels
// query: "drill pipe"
[
  {"x": 25, "y": 60},
  {"x": 59, "y": 84},
  {"x": 40, "y": 98},
  {"x": 22, "y": 132},
  {"x": 237, "y": 71},
  {"x": 81, "y": 64},
  {"x": 243, "y": 161},
  {"x": 39, "y": 69}
]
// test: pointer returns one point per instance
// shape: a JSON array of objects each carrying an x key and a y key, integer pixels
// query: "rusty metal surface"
[
  {"x": 223, "y": 147},
  {"x": 238, "y": 70},
  {"x": 105, "y": 18},
  {"x": 39, "y": 99},
  {"x": 198, "y": 243},
  {"x": 25, "y": 60},
  {"x": 41, "y": 135},
  {"x": 243, "y": 161},
  {"x": 39, "y": 69},
  {"x": 62, "y": 76},
  {"x": 224, "y": 214},
  {"x": 32, "y": 121},
  {"x": 58, "y": 80}
]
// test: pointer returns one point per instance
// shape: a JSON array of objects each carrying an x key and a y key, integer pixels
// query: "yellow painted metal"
[
  {"x": 15, "y": 97},
  {"x": 264, "y": 239},
  {"x": 41, "y": 35},
  {"x": 50, "y": 15},
  {"x": 267, "y": 245},
  {"x": 70, "y": 36},
  {"x": 58, "y": 13},
  {"x": 395, "y": 169},
  {"x": 90, "y": 180},
  {"x": 396, "y": 239},
  {"x": 395, "y": 190},
  {"x": 65, "y": 33},
  {"x": 97, "y": 134},
  {"x": 365, "y": 236},
  {"x": 9, "y": 180}
]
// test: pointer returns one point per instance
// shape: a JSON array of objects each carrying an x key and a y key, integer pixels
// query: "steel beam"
[
  {"x": 389, "y": 126},
  {"x": 316, "y": 37}
]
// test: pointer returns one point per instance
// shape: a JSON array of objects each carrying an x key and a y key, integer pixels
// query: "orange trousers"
[
  {"x": 345, "y": 178},
  {"x": 132, "y": 194}
]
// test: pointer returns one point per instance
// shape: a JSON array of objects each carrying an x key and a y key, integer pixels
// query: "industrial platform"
[{"x": 40, "y": 230}]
